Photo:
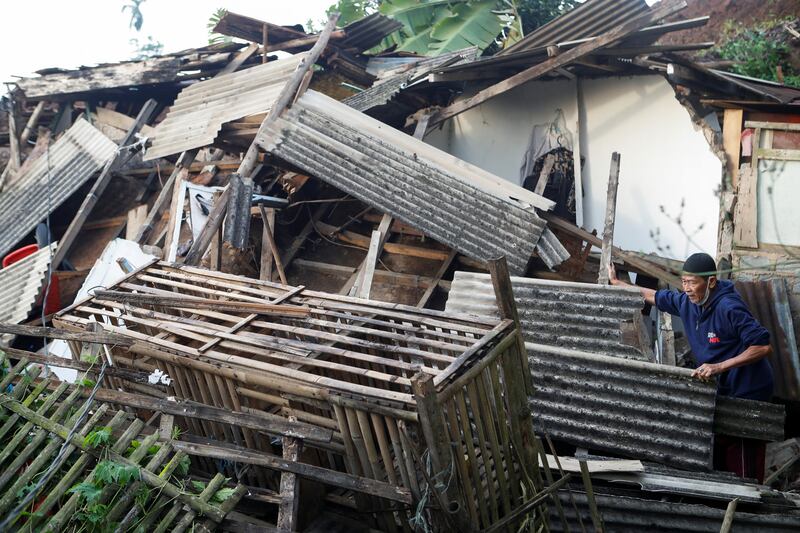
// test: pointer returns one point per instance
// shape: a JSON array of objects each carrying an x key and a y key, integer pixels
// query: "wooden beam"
[
  {"x": 611, "y": 214},
  {"x": 619, "y": 32},
  {"x": 213, "y": 224},
  {"x": 31, "y": 124},
  {"x": 56, "y": 333},
  {"x": 265, "y": 265},
  {"x": 273, "y": 247},
  {"x": 544, "y": 175},
  {"x": 363, "y": 290},
  {"x": 314, "y": 473},
  {"x": 289, "y": 488},
  {"x": 203, "y": 303},
  {"x": 732, "y": 142},
  {"x": 745, "y": 218},
  {"x": 15, "y": 159},
  {"x": 135, "y": 220},
  {"x": 239, "y": 60},
  {"x": 426, "y": 296},
  {"x": 667, "y": 339}
]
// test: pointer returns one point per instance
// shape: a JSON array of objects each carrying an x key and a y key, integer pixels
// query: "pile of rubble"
[{"x": 238, "y": 258}]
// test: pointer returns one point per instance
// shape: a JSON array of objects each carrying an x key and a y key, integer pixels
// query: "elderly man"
[{"x": 727, "y": 342}]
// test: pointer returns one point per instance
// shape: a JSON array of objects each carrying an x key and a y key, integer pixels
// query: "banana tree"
[{"x": 434, "y": 27}]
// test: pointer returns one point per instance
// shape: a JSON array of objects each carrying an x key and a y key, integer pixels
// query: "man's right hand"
[{"x": 612, "y": 274}]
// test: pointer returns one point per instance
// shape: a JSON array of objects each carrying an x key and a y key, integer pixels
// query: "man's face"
[{"x": 695, "y": 286}]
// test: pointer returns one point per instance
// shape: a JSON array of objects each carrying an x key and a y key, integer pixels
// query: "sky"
[{"x": 36, "y": 34}]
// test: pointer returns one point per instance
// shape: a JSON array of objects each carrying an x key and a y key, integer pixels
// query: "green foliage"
[
  {"x": 434, "y": 27},
  {"x": 149, "y": 48},
  {"x": 535, "y": 13},
  {"x": 758, "y": 51},
  {"x": 86, "y": 382},
  {"x": 111, "y": 472},
  {"x": 222, "y": 494},
  {"x": 88, "y": 492},
  {"x": 353, "y": 10},
  {"x": 97, "y": 437},
  {"x": 213, "y": 20},
  {"x": 176, "y": 433},
  {"x": 137, "y": 18},
  {"x": 183, "y": 466}
]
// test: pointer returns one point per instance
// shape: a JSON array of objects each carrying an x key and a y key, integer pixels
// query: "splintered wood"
[{"x": 341, "y": 365}]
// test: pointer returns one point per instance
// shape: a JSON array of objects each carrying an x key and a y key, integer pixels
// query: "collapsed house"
[{"x": 308, "y": 304}]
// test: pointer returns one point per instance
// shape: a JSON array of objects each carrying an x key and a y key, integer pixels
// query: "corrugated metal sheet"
[
  {"x": 626, "y": 514},
  {"x": 250, "y": 29},
  {"x": 365, "y": 33},
  {"x": 550, "y": 249},
  {"x": 20, "y": 285},
  {"x": 80, "y": 152},
  {"x": 584, "y": 316},
  {"x": 200, "y": 110},
  {"x": 749, "y": 419},
  {"x": 769, "y": 303},
  {"x": 640, "y": 410},
  {"x": 590, "y": 19},
  {"x": 392, "y": 82},
  {"x": 479, "y": 214},
  {"x": 722, "y": 486}
]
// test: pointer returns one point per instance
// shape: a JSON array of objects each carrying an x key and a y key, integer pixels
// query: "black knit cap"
[{"x": 700, "y": 264}]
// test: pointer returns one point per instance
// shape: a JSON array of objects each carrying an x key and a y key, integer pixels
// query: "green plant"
[
  {"x": 758, "y": 50},
  {"x": 97, "y": 437},
  {"x": 213, "y": 20},
  {"x": 434, "y": 27}
]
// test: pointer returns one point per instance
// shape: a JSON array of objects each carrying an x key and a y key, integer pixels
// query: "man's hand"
[
  {"x": 707, "y": 371},
  {"x": 612, "y": 274}
]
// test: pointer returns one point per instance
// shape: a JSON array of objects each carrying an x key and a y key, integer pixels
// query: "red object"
[{"x": 53, "y": 296}]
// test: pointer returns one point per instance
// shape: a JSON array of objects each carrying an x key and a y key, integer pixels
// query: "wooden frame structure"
[{"x": 413, "y": 398}]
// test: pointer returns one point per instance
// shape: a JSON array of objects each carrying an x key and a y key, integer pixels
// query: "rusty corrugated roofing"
[
  {"x": 197, "y": 115},
  {"x": 590, "y": 19},
  {"x": 72, "y": 159},
  {"x": 458, "y": 204},
  {"x": 637, "y": 409},
  {"x": 768, "y": 302},
  {"x": 583, "y": 316}
]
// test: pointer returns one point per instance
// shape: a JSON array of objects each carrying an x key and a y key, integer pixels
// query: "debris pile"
[{"x": 255, "y": 287}]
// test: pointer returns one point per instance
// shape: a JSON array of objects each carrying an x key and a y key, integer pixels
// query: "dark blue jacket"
[{"x": 721, "y": 330}]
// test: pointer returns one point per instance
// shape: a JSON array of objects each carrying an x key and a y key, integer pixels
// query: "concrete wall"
[{"x": 666, "y": 161}]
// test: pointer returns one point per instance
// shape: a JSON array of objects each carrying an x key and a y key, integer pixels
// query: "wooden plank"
[
  {"x": 136, "y": 218},
  {"x": 175, "y": 220},
  {"x": 265, "y": 270},
  {"x": 273, "y": 247},
  {"x": 544, "y": 175},
  {"x": 784, "y": 126},
  {"x": 120, "y": 121},
  {"x": 239, "y": 60},
  {"x": 66, "y": 241},
  {"x": 610, "y": 37},
  {"x": 307, "y": 471},
  {"x": 423, "y": 301},
  {"x": 611, "y": 214},
  {"x": 667, "y": 339},
  {"x": 202, "y": 303},
  {"x": 363, "y": 241},
  {"x": 56, "y": 333},
  {"x": 732, "y": 142},
  {"x": 777, "y": 154},
  {"x": 289, "y": 507},
  {"x": 15, "y": 159},
  {"x": 364, "y": 287},
  {"x": 745, "y": 218},
  {"x": 213, "y": 224}
]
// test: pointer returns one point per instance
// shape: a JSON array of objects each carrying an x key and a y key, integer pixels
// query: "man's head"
[{"x": 699, "y": 277}]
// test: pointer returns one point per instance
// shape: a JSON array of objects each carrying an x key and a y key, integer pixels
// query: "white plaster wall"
[
  {"x": 665, "y": 160},
  {"x": 495, "y": 136}
]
